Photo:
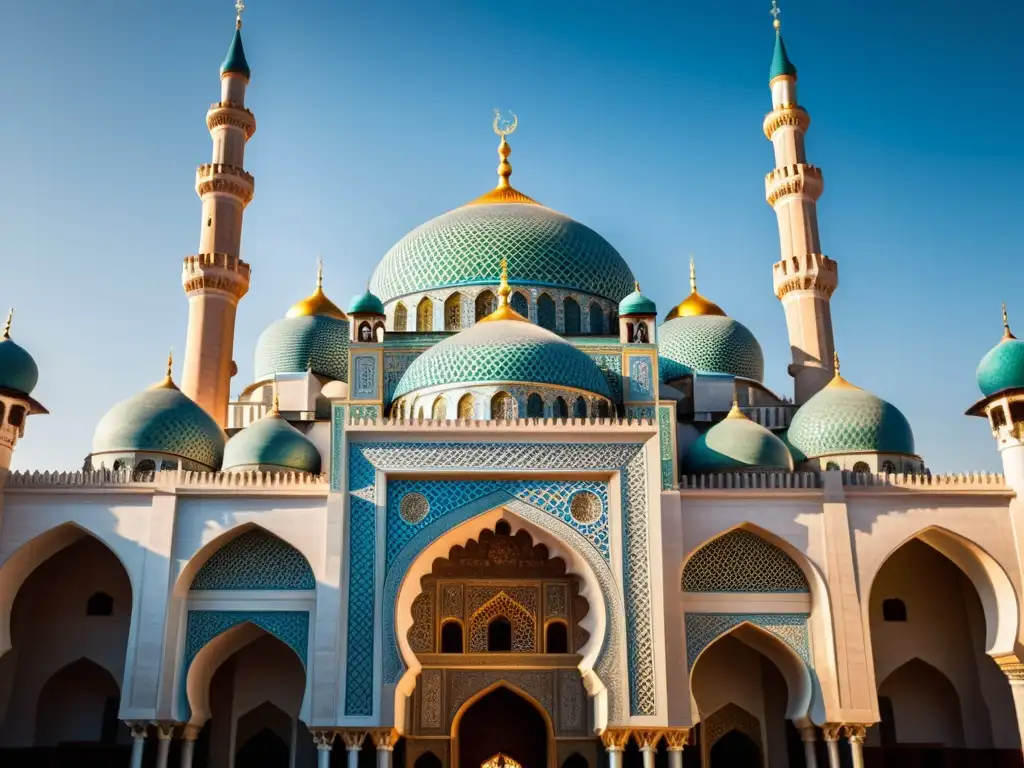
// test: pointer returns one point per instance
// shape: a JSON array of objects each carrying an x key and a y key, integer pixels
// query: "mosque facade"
[{"x": 502, "y": 513}]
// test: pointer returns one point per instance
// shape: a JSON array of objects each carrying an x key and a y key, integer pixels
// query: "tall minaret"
[
  {"x": 216, "y": 278},
  {"x": 804, "y": 278}
]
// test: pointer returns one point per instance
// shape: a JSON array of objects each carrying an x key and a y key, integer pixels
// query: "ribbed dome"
[
  {"x": 543, "y": 247},
  {"x": 710, "y": 344},
  {"x": 296, "y": 344},
  {"x": 736, "y": 443},
  {"x": 269, "y": 443},
  {"x": 366, "y": 304},
  {"x": 160, "y": 420},
  {"x": 637, "y": 304},
  {"x": 18, "y": 371},
  {"x": 1002, "y": 367},
  {"x": 843, "y": 418},
  {"x": 500, "y": 352}
]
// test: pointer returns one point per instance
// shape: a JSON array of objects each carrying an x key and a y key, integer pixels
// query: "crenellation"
[
  {"x": 751, "y": 480},
  {"x": 165, "y": 480},
  {"x": 546, "y": 424}
]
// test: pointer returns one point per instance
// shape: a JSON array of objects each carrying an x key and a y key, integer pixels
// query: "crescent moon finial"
[{"x": 504, "y": 127}]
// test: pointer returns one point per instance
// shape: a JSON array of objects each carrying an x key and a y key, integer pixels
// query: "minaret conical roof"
[
  {"x": 781, "y": 65},
  {"x": 234, "y": 62}
]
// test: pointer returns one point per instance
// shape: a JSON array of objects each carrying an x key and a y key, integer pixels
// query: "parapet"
[
  {"x": 503, "y": 425},
  {"x": 169, "y": 480}
]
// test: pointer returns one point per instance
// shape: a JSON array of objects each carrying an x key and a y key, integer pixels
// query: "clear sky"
[{"x": 642, "y": 120}]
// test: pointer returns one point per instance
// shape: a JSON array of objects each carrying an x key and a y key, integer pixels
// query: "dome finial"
[
  {"x": 735, "y": 412},
  {"x": 275, "y": 408},
  {"x": 168, "y": 382},
  {"x": 1007, "y": 334},
  {"x": 10, "y": 319},
  {"x": 693, "y": 275},
  {"x": 504, "y": 310},
  {"x": 319, "y": 274},
  {"x": 694, "y": 305},
  {"x": 835, "y": 363},
  {"x": 504, "y": 128},
  {"x": 775, "y": 12},
  {"x": 239, "y": 7},
  {"x": 317, "y": 303}
]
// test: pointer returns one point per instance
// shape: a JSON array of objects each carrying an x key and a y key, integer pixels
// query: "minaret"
[
  {"x": 18, "y": 377},
  {"x": 804, "y": 278},
  {"x": 216, "y": 277}
]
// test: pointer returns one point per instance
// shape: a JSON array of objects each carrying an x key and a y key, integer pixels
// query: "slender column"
[
  {"x": 139, "y": 732},
  {"x": 647, "y": 740},
  {"x": 615, "y": 740},
  {"x": 164, "y": 734},
  {"x": 188, "y": 745},
  {"x": 1014, "y": 671},
  {"x": 384, "y": 740},
  {"x": 353, "y": 743},
  {"x": 677, "y": 738},
  {"x": 324, "y": 741},
  {"x": 856, "y": 734},
  {"x": 830, "y": 733},
  {"x": 808, "y": 737}
]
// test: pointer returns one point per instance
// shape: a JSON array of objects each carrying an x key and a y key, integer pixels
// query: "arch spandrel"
[{"x": 742, "y": 561}]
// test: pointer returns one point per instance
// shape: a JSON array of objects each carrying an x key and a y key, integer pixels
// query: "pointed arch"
[
  {"x": 78, "y": 680},
  {"x": 929, "y": 703},
  {"x": 571, "y": 314},
  {"x": 546, "y": 312},
  {"x": 425, "y": 315},
  {"x": 485, "y": 304},
  {"x": 523, "y": 626},
  {"x": 453, "y": 312},
  {"x": 596, "y": 319},
  {"x": 512, "y": 688},
  {"x": 520, "y": 303},
  {"x": 439, "y": 410},
  {"x": 465, "y": 406},
  {"x": 728, "y": 718},
  {"x": 401, "y": 317}
]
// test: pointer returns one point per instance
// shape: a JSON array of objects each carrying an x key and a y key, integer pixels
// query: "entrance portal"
[
  {"x": 502, "y": 725},
  {"x": 735, "y": 750}
]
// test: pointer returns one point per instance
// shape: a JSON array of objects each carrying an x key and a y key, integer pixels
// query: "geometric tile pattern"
[
  {"x": 395, "y": 366},
  {"x": 741, "y": 561},
  {"x": 255, "y": 560},
  {"x": 637, "y": 587},
  {"x": 1002, "y": 367},
  {"x": 703, "y": 628},
  {"x": 465, "y": 246},
  {"x": 665, "y": 452},
  {"x": 710, "y": 344},
  {"x": 297, "y": 344},
  {"x": 848, "y": 420},
  {"x": 362, "y": 553},
  {"x": 611, "y": 367}
]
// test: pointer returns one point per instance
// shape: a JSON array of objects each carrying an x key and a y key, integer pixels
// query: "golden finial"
[
  {"x": 168, "y": 382},
  {"x": 835, "y": 363},
  {"x": 7, "y": 326},
  {"x": 317, "y": 303},
  {"x": 275, "y": 408},
  {"x": 504, "y": 310},
  {"x": 319, "y": 273},
  {"x": 775, "y": 11},
  {"x": 239, "y": 7},
  {"x": 636, "y": 286},
  {"x": 693, "y": 275},
  {"x": 504, "y": 192},
  {"x": 694, "y": 305},
  {"x": 1007, "y": 334},
  {"x": 837, "y": 379},
  {"x": 735, "y": 412}
]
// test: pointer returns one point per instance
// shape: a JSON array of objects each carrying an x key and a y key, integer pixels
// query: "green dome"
[
  {"x": 1002, "y": 368},
  {"x": 781, "y": 65},
  {"x": 18, "y": 371},
  {"x": 797, "y": 454},
  {"x": 637, "y": 304},
  {"x": 271, "y": 442},
  {"x": 843, "y": 418},
  {"x": 297, "y": 344},
  {"x": 544, "y": 249},
  {"x": 160, "y": 420},
  {"x": 709, "y": 344},
  {"x": 234, "y": 62},
  {"x": 504, "y": 352},
  {"x": 366, "y": 304},
  {"x": 736, "y": 443}
]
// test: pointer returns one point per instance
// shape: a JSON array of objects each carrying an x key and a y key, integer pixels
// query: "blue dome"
[
  {"x": 18, "y": 371},
  {"x": 637, "y": 304},
  {"x": 736, "y": 443},
  {"x": 843, "y": 418},
  {"x": 296, "y": 344},
  {"x": 1002, "y": 368},
  {"x": 504, "y": 352},
  {"x": 709, "y": 344},
  {"x": 234, "y": 62},
  {"x": 160, "y": 420},
  {"x": 366, "y": 304},
  {"x": 544, "y": 249},
  {"x": 271, "y": 442}
]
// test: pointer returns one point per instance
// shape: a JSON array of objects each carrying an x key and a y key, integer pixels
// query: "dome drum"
[
  {"x": 503, "y": 402},
  {"x": 139, "y": 462}
]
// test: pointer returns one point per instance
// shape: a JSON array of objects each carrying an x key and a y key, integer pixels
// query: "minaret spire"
[
  {"x": 10, "y": 319},
  {"x": 216, "y": 278},
  {"x": 1007, "y": 333},
  {"x": 804, "y": 278}
]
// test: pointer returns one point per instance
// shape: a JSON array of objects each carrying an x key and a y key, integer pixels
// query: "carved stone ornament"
[
  {"x": 677, "y": 738},
  {"x": 855, "y": 733},
  {"x": 353, "y": 739},
  {"x": 615, "y": 739},
  {"x": 1011, "y": 667},
  {"x": 647, "y": 739},
  {"x": 831, "y": 731},
  {"x": 323, "y": 739}
]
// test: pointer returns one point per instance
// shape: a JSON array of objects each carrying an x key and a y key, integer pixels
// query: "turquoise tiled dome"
[
  {"x": 1002, "y": 368},
  {"x": 295, "y": 344},
  {"x": 736, "y": 443},
  {"x": 366, "y": 304},
  {"x": 798, "y": 455},
  {"x": 637, "y": 304},
  {"x": 271, "y": 442},
  {"x": 234, "y": 62},
  {"x": 500, "y": 352},
  {"x": 160, "y": 420},
  {"x": 543, "y": 248},
  {"x": 710, "y": 344},
  {"x": 843, "y": 418},
  {"x": 18, "y": 371}
]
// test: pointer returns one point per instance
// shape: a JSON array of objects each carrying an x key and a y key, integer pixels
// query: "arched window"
[
  {"x": 499, "y": 635},
  {"x": 579, "y": 408},
  {"x": 556, "y": 638},
  {"x": 546, "y": 312},
  {"x": 453, "y": 312},
  {"x": 119, "y": 465},
  {"x": 894, "y": 609},
  {"x": 451, "y": 637},
  {"x": 596, "y": 318},
  {"x": 425, "y": 315},
  {"x": 560, "y": 409},
  {"x": 168, "y": 464},
  {"x": 419, "y": 413},
  {"x": 520, "y": 304},
  {"x": 603, "y": 411},
  {"x": 861, "y": 466},
  {"x": 503, "y": 406},
  {"x": 17, "y": 415},
  {"x": 486, "y": 303},
  {"x": 145, "y": 467},
  {"x": 466, "y": 407},
  {"x": 401, "y": 317},
  {"x": 365, "y": 333},
  {"x": 534, "y": 406},
  {"x": 888, "y": 467},
  {"x": 440, "y": 410},
  {"x": 613, "y": 322},
  {"x": 99, "y": 604},
  {"x": 831, "y": 466},
  {"x": 572, "y": 315}
]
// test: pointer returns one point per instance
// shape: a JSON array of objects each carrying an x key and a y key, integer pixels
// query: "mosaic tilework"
[
  {"x": 611, "y": 367},
  {"x": 255, "y": 560},
  {"x": 292, "y": 344},
  {"x": 481, "y": 456},
  {"x": 645, "y": 412},
  {"x": 848, "y": 420},
  {"x": 741, "y": 561},
  {"x": 361, "y": 412},
  {"x": 463, "y": 246},
  {"x": 703, "y": 628},
  {"x": 337, "y": 438},
  {"x": 395, "y": 366},
  {"x": 712, "y": 344},
  {"x": 364, "y": 378},
  {"x": 636, "y": 584},
  {"x": 670, "y": 370},
  {"x": 666, "y": 427},
  {"x": 640, "y": 378},
  {"x": 362, "y": 553}
]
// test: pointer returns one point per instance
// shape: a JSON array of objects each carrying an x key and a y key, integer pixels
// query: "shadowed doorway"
[
  {"x": 735, "y": 750},
  {"x": 506, "y": 723}
]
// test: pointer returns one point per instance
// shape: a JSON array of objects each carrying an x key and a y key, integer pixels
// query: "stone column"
[
  {"x": 384, "y": 740},
  {"x": 139, "y": 732},
  {"x": 1014, "y": 671},
  {"x": 615, "y": 740},
  {"x": 647, "y": 740},
  {"x": 677, "y": 738},
  {"x": 808, "y": 737},
  {"x": 164, "y": 734},
  {"x": 353, "y": 744},
  {"x": 323, "y": 741},
  {"x": 830, "y": 732},
  {"x": 855, "y": 734},
  {"x": 188, "y": 745}
]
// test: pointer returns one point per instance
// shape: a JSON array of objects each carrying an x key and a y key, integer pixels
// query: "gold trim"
[
  {"x": 504, "y": 310},
  {"x": 504, "y": 192},
  {"x": 1007, "y": 334},
  {"x": 168, "y": 382},
  {"x": 694, "y": 305},
  {"x": 7, "y": 325}
]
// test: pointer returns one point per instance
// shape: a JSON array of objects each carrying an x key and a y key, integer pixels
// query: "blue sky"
[{"x": 644, "y": 123}]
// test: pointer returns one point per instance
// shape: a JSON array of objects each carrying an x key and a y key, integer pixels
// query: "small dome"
[
  {"x": 637, "y": 304},
  {"x": 366, "y": 304},
  {"x": 160, "y": 420},
  {"x": 1002, "y": 367},
  {"x": 694, "y": 305},
  {"x": 317, "y": 343},
  {"x": 271, "y": 443},
  {"x": 843, "y": 418},
  {"x": 317, "y": 303},
  {"x": 504, "y": 348},
  {"x": 798, "y": 455},
  {"x": 18, "y": 371},
  {"x": 736, "y": 443},
  {"x": 709, "y": 344}
]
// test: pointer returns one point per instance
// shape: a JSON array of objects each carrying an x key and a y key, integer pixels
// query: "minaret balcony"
[
  {"x": 228, "y": 179},
  {"x": 790, "y": 115},
  {"x": 796, "y": 179},
  {"x": 216, "y": 272},
  {"x": 810, "y": 272},
  {"x": 228, "y": 113}
]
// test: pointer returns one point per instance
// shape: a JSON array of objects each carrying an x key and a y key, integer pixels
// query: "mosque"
[{"x": 499, "y": 513}]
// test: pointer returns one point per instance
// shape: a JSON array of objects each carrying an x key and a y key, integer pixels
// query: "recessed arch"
[
  {"x": 467, "y": 705},
  {"x": 546, "y": 312},
  {"x": 401, "y": 317},
  {"x": 453, "y": 312},
  {"x": 927, "y": 704},
  {"x": 72, "y": 705},
  {"x": 425, "y": 315}
]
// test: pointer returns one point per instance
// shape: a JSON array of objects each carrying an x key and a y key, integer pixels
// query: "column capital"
[
  {"x": 139, "y": 729},
  {"x": 647, "y": 739},
  {"x": 677, "y": 738},
  {"x": 164, "y": 730},
  {"x": 384, "y": 738},
  {"x": 323, "y": 739},
  {"x": 1011, "y": 667},
  {"x": 615, "y": 739},
  {"x": 831, "y": 731},
  {"x": 353, "y": 739},
  {"x": 855, "y": 733},
  {"x": 808, "y": 735},
  {"x": 190, "y": 732}
]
